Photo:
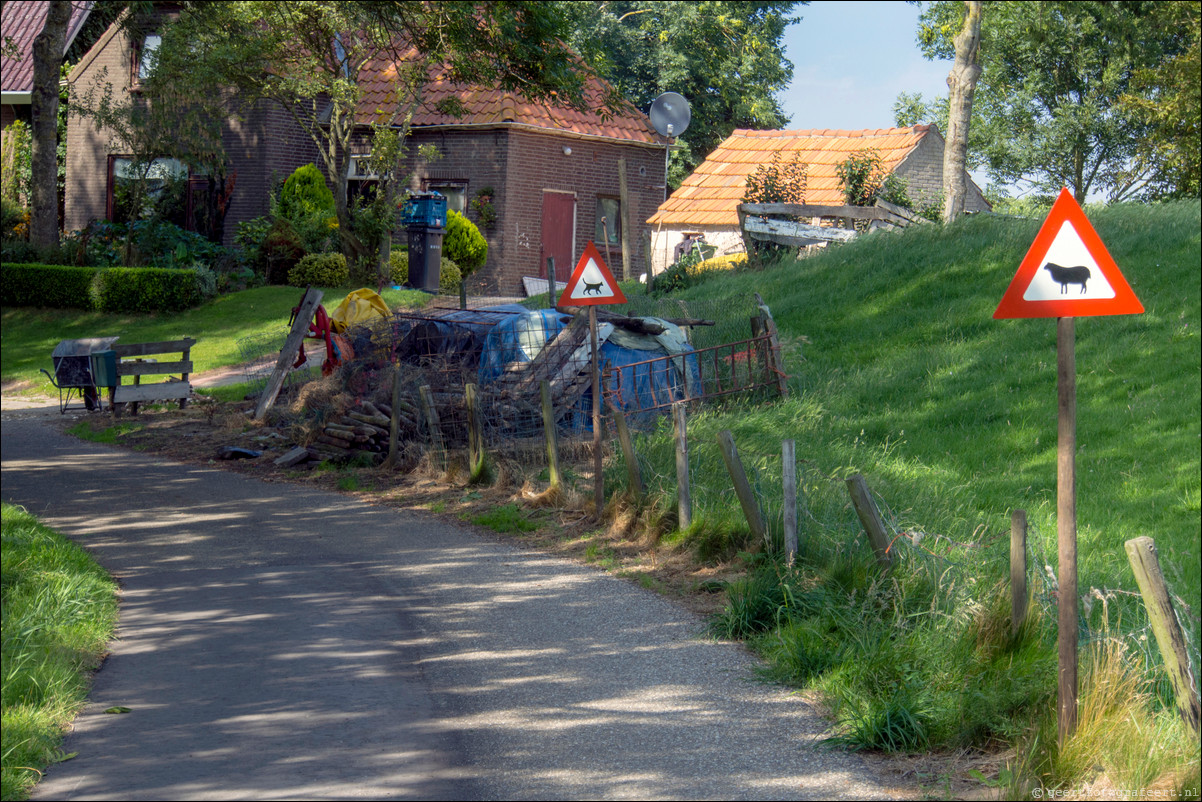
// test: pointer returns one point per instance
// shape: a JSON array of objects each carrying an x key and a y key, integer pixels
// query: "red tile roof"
[
  {"x": 490, "y": 106},
  {"x": 711, "y": 194},
  {"x": 22, "y": 21}
]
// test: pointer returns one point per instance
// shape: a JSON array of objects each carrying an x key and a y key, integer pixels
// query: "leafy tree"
[
  {"x": 48, "y": 48},
  {"x": 1166, "y": 98},
  {"x": 962, "y": 85},
  {"x": 1047, "y": 107},
  {"x": 312, "y": 57},
  {"x": 725, "y": 58}
]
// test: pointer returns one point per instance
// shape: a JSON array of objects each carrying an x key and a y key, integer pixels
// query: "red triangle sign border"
[
  {"x": 591, "y": 254},
  {"x": 1014, "y": 305}
]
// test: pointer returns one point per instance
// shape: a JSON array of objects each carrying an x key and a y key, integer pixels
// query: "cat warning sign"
[
  {"x": 591, "y": 283},
  {"x": 1067, "y": 272}
]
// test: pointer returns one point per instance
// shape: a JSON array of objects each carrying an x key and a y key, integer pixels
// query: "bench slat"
[
  {"x": 143, "y": 349},
  {"x": 153, "y": 368},
  {"x": 163, "y": 391}
]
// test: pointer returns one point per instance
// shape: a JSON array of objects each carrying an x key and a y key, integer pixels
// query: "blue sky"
[{"x": 851, "y": 60}]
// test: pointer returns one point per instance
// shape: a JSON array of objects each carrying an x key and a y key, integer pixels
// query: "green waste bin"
[{"x": 104, "y": 368}]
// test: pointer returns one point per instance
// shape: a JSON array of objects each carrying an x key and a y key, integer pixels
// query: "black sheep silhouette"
[{"x": 1068, "y": 275}]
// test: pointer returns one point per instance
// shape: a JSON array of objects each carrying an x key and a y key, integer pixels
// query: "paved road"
[{"x": 290, "y": 644}]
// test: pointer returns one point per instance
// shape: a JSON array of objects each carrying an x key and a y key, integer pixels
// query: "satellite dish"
[{"x": 670, "y": 114}]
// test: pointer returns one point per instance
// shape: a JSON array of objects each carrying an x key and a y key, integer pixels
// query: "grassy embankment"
[
  {"x": 951, "y": 417},
  {"x": 60, "y": 608}
]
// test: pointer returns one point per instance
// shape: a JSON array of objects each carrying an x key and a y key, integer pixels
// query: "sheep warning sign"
[
  {"x": 591, "y": 283},
  {"x": 1067, "y": 272}
]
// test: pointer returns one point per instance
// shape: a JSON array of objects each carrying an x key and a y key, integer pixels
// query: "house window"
[
  {"x": 164, "y": 188},
  {"x": 362, "y": 183},
  {"x": 455, "y": 192},
  {"x": 145, "y": 53},
  {"x": 609, "y": 220}
]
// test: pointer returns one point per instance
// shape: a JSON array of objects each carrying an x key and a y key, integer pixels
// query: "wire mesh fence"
[{"x": 259, "y": 354}]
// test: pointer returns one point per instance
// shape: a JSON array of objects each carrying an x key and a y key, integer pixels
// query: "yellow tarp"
[{"x": 361, "y": 306}]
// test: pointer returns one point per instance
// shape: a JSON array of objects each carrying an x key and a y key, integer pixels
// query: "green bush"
[
  {"x": 11, "y": 216},
  {"x": 464, "y": 244},
  {"x": 449, "y": 274},
  {"x": 305, "y": 193},
  {"x": 40, "y": 285},
  {"x": 320, "y": 270},
  {"x": 150, "y": 289}
]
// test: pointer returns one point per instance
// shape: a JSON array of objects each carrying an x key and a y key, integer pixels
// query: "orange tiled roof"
[
  {"x": 490, "y": 106},
  {"x": 711, "y": 194}
]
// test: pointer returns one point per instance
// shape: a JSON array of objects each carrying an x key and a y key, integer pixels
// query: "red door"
[{"x": 559, "y": 234}]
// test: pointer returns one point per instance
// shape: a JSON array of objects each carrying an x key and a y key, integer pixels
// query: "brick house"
[
  {"x": 553, "y": 171},
  {"x": 706, "y": 202}
]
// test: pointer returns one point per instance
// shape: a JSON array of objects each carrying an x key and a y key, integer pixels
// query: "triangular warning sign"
[
  {"x": 591, "y": 283},
  {"x": 1067, "y": 272}
]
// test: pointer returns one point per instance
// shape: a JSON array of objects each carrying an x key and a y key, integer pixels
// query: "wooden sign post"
[
  {"x": 1067, "y": 273},
  {"x": 592, "y": 285}
]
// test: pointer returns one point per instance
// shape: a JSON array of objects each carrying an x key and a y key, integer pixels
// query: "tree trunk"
[
  {"x": 961, "y": 84},
  {"x": 47, "y": 64}
]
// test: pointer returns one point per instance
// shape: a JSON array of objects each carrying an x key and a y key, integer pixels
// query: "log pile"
[{"x": 363, "y": 429}]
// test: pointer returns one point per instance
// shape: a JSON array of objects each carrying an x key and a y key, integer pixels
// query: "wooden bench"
[{"x": 131, "y": 361}]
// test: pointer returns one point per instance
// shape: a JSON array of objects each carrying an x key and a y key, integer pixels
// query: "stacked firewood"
[{"x": 365, "y": 428}]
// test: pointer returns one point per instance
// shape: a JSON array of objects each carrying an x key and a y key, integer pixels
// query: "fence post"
[
  {"x": 684, "y": 503},
  {"x": 1018, "y": 569},
  {"x": 788, "y": 454},
  {"x": 1141, "y": 552},
  {"x": 870, "y": 518},
  {"x": 549, "y": 433},
  {"x": 433, "y": 421},
  {"x": 394, "y": 426},
  {"x": 475, "y": 433},
  {"x": 633, "y": 473},
  {"x": 734, "y": 466}
]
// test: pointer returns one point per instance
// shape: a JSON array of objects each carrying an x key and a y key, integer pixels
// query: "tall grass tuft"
[{"x": 59, "y": 612}]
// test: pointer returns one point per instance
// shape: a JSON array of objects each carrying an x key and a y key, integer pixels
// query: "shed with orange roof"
[{"x": 707, "y": 202}]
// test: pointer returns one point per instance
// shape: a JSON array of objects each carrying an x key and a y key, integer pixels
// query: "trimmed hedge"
[
  {"x": 46, "y": 286},
  {"x": 108, "y": 289},
  {"x": 449, "y": 274},
  {"x": 320, "y": 270}
]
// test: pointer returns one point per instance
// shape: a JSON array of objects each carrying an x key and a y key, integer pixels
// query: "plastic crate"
[{"x": 428, "y": 209}]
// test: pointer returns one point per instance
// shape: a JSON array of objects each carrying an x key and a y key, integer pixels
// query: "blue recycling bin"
[{"x": 427, "y": 209}]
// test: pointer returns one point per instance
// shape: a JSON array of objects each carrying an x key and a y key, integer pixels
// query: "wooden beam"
[
  {"x": 300, "y": 327},
  {"x": 791, "y": 230}
]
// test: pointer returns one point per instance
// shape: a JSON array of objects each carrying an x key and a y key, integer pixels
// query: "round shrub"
[
  {"x": 464, "y": 244},
  {"x": 449, "y": 274},
  {"x": 305, "y": 193},
  {"x": 320, "y": 270}
]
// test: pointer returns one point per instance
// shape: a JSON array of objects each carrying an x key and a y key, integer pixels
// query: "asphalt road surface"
[{"x": 281, "y": 643}]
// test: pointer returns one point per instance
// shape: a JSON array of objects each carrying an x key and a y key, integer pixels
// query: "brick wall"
[
  {"x": 923, "y": 171},
  {"x": 520, "y": 165}
]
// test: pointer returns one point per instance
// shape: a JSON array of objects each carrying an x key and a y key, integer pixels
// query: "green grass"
[
  {"x": 30, "y": 335},
  {"x": 505, "y": 519},
  {"x": 60, "y": 609},
  {"x": 84, "y": 431},
  {"x": 951, "y": 416}
]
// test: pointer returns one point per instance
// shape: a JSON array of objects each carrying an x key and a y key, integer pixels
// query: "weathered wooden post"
[
  {"x": 684, "y": 499},
  {"x": 1141, "y": 552},
  {"x": 394, "y": 426},
  {"x": 300, "y": 326},
  {"x": 1066, "y": 525},
  {"x": 738, "y": 476},
  {"x": 433, "y": 422},
  {"x": 633, "y": 472},
  {"x": 550, "y": 434},
  {"x": 1018, "y": 569},
  {"x": 788, "y": 456},
  {"x": 870, "y": 518},
  {"x": 475, "y": 433}
]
